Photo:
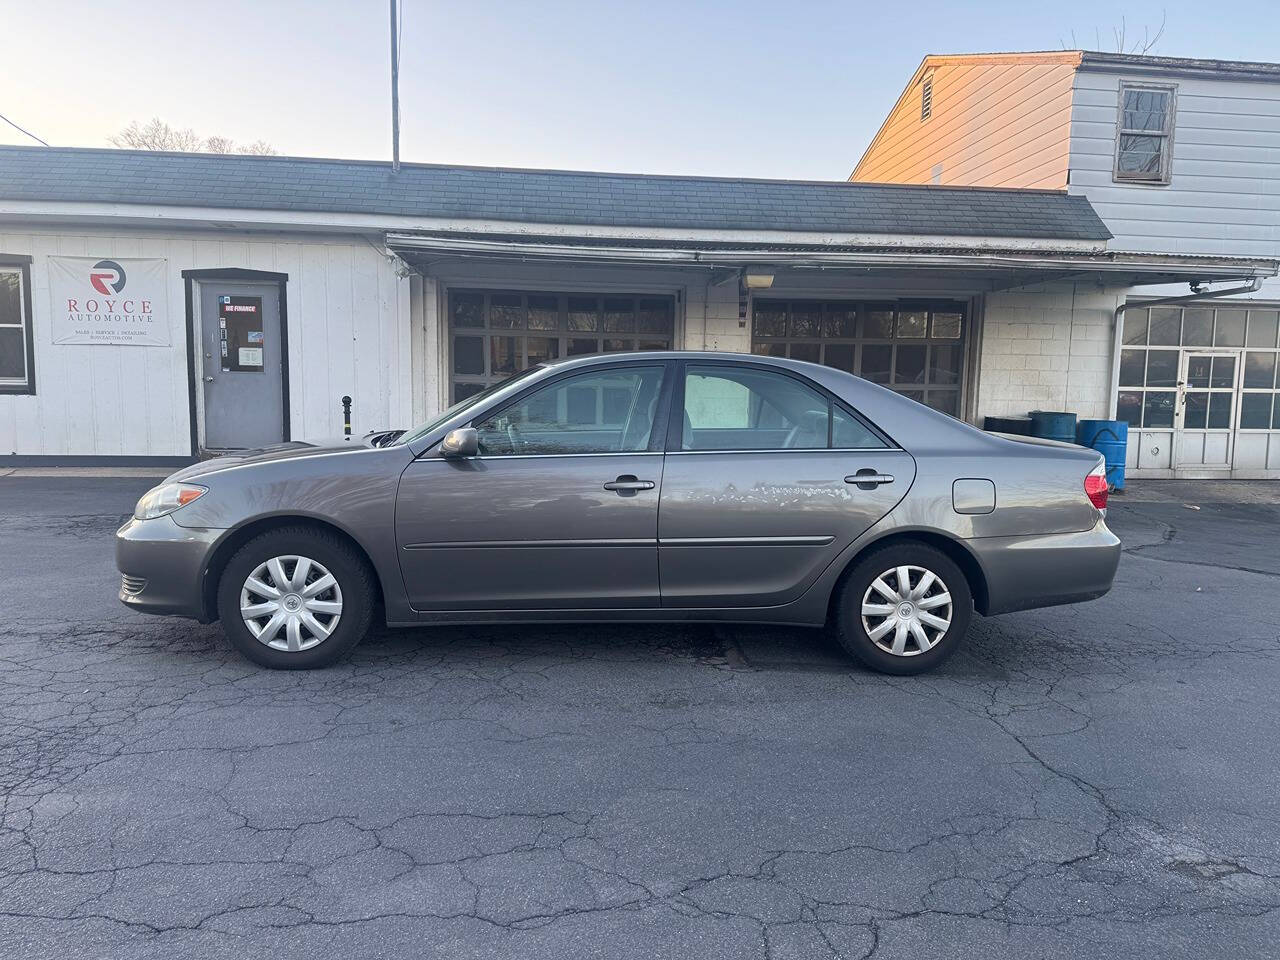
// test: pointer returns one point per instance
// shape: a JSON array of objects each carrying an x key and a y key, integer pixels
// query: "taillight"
[{"x": 1095, "y": 486}]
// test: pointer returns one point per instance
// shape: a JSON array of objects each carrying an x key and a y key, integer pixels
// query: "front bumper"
[
  {"x": 1043, "y": 571},
  {"x": 162, "y": 566}
]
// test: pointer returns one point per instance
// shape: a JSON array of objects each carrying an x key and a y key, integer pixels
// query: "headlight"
[{"x": 167, "y": 498}]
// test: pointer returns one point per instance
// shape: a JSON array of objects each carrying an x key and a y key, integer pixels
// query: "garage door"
[{"x": 495, "y": 333}]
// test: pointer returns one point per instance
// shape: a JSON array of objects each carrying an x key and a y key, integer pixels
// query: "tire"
[
  {"x": 868, "y": 640},
  {"x": 306, "y": 610}
]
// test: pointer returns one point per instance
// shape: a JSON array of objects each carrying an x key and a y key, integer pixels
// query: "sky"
[{"x": 792, "y": 89}]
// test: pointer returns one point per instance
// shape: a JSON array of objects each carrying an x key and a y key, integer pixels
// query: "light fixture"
[{"x": 757, "y": 279}]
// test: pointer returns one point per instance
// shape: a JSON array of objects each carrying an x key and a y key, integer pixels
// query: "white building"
[
  {"x": 1177, "y": 156},
  {"x": 154, "y": 307}
]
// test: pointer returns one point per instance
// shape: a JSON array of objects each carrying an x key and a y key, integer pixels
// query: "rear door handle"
[
  {"x": 626, "y": 482},
  {"x": 868, "y": 479}
]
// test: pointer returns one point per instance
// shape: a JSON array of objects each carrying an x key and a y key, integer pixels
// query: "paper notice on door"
[{"x": 250, "y": 356}]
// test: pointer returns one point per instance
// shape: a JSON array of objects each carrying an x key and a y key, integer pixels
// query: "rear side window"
[{"x": 743, "y": 408}]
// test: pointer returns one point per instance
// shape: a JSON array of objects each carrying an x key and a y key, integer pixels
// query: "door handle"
[
  {"x": 208, "y": 379},
  {"x": 868, "y": 479},
  {"x": 627, "y": 483}
]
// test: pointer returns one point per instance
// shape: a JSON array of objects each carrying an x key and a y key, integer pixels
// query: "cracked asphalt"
[{"x": 1089, "y": 781}]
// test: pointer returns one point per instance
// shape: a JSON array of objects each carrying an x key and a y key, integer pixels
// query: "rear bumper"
[
  {"x": 1042, "y": 571},
  {"x": 162, "y": 566}
]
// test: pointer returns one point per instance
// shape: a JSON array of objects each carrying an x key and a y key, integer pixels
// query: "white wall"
[
  {"x": 349, "y": 332},
  {"x": 1224, "y": 194}
]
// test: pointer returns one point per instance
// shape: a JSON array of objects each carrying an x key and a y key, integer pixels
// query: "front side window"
[
  {"x": 1144, "y": 136},
  {"x": 599, "y": 411},
  {"x": 16, "y": 374},
  {"x": 740, "y": 408}
]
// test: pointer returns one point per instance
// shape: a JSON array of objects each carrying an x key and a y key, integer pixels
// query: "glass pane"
[
  {"x": 1197, "y": 327},
  {"x": 876, "y": 359},
  {"x": 916, "y": 395},
  {"x": 944, "y": 401},
  {"x": 11, "y": 297},
  {"x": 1195, "y": 412},
  {"x": 1230, "y": 332},
  {"x": 619, "y": 315},
  {"x": 849, "y": 433},
  {"x": 13, "y": 354},
  {"x": 1140, "y": 155},
  {"x": 947, "y": 325},
  {"x": 769, "y": 349},
  {"x": 1262, "y": 328},
  {"x": 1223, "y": 372},
  {"x": 468, "y": 356},
  {"x": 504, "y": 355},
  {"x": 506, "y": 311},
  {"x": 463, "y": 390},
  {"x": 1162, "y": 368},
  {"x": 769, "y": 318},
  {"x": 579, "y": 346},
  {"x": 878, "y": 324},
  {"x": 1198, "y": 371},
  {"x": 841, "y": 321},
  {"x": 654, "y": 316},
  {"x": 468, "y": 309},
  {"x": 1220, "y": 404},
  {"x": 809, "y": 352},
  {"x": 1275, "y": 413},
  {"x": 650, "y": 343},
  {"x": 594, "y": 412},
  {"x": 1165, "y": 324},
  {"x": 1129, "y": 407},
  {"x": 1145, "y": 109},
  {"x": 544, "y": 313},
  {"x": 737, "y": 408},
  {"x": 583, "y": 313},
  {"x": 1158, "y": 408},
  {"x": 617, "y": 346},
  {"x": 806, "y": 319},
  {"x": 1255, "y": 411},
  {"x": 542, "y": 349},
  {"x": 908, "y": 366},
  {"x": 1135, "y": 326},
  {"x": 1259, "y": 370},
  {"x": 913, "y": 323},
  {"x": 1133, "y": 366},
  {"x": 840, "y": 356},
  {"x": 944, "y": 363}
]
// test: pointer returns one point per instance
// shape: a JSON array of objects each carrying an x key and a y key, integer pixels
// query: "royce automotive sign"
[{"x": 104, "y": 300}]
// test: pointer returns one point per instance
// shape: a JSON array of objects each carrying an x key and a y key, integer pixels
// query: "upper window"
[
  {"x": 1144, "y": 136},
  {"x": 16, "y": 342},
  {"x": 744, "y": 408},
  {"x": 598, "y": 411},
  {"x": 926, "y": 98}
]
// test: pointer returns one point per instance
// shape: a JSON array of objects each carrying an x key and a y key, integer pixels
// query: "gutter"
[{"x": 1253, "y": 286}]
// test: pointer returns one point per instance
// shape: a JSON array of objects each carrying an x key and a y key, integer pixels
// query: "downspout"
[{"x": 1253, "y": 286}]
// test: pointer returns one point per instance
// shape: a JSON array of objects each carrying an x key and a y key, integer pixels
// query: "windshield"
[{"x": 419, "y": 432}]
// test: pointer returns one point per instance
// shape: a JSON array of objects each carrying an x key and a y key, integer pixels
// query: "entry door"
[
  {"x": 242, "y": 363},
  {"x": 558, "y": 510},
  {"x": 1206, "y": 416},
  {"x": 762, "y": 493}
]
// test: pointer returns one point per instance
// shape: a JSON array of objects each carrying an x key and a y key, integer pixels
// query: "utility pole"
[{"x": 395, "y": 90}]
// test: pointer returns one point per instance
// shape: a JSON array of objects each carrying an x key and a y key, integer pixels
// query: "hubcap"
[
  {"x": 906, "y": 611},
  {"x": 291, "y": 603}
]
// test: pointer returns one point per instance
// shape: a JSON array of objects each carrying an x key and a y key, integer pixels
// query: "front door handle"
[
  {"x": 868, "y": 479},
  {"x": 629, "y": 484}
]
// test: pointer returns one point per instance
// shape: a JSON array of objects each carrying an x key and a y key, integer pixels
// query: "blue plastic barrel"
[
  {"x": 1110, "y": 438},
  {"x": 1053, "y": 425}
]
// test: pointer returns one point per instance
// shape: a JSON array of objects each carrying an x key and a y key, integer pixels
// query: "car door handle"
[
  {"x": 627, "y": 483},
  {"x": 868, "y": 478}
]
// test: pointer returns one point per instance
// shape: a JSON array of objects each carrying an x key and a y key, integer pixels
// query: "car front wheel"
[
  {"x": 295, "y": 599},
  {"x": 903, "y": 609}
]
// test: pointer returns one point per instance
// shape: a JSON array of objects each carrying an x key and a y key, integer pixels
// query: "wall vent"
[{"x": 926, "y": 99}]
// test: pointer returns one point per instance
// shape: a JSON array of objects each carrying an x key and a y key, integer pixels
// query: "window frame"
[
  {"x": 1165, "y": 175},
  {"x": 675, "y": 424},
  {"x": 22, "y": 265}
]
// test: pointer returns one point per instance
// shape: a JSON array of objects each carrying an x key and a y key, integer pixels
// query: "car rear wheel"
[
  {"x": 295, "y": 599},
  {"x": 903, "y": 609}
]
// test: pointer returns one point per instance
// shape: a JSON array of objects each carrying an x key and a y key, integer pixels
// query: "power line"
[{"x": 19, "y": 129}]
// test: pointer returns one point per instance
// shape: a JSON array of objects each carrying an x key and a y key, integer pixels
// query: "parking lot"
[{"x": 1089, "y": 781}]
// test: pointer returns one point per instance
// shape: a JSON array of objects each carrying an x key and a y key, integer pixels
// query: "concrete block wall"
[{"x": 1047, "y": 347}]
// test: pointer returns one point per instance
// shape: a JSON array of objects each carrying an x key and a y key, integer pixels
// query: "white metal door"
[{"x": 1208, "y": 402}]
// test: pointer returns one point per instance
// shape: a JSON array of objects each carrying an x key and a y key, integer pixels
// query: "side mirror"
[{"x": 463, "y": 442}]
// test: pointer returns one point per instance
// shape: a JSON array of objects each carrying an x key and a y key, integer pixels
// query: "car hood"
[{"x": 280, "y": 451}]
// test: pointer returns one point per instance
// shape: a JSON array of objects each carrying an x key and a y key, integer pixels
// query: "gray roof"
[
  {"x": 1149, "y": 64},
  {"x": 538, "y": 196}
]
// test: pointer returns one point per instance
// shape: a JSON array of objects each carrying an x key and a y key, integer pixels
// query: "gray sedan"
[{"x": 633, "y": 487}]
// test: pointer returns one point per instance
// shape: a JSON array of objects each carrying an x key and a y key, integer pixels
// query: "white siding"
[
  {"x": 348, "y": 316},
  {"x": 1224, "y": 194}
]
